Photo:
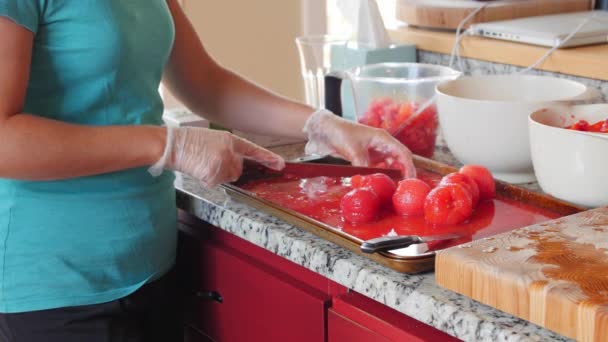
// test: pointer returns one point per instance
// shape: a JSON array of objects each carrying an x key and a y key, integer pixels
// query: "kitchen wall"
[{"x": 253, "y": 38}]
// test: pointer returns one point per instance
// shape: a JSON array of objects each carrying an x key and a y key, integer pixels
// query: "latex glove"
[
  {"x": 213, "y": 157},
  {"x": 329, "y": 134}
]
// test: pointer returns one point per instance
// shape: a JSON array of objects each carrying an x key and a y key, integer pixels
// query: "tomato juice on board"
[{"x": 319, "y": 198}]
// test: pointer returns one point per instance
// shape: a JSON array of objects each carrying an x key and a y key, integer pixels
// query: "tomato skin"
[
  {"x": 360, "y": 206},
  {"x": 409, "y": 198},
  {"x": 484, "y": 179},
  {"x": 464, "y": 180},
  {"x": 448, "y": 204},
  {"x": 382, "y": 185}
]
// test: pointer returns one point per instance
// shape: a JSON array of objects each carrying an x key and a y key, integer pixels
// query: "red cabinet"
[
  {"x": 378, "y": 321},
  {"x": 238, "y": 298},
  {"x": 340, "y": 328},
  {"x": 258, "y": 304},
  {"x": 236, "y": 291}
]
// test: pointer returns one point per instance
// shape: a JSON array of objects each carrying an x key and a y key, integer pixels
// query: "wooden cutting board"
[
  {"x": 447, "y": 14},
  {"x": 554, "y": 274}
]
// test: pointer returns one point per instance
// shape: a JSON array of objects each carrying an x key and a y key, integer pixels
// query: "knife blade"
[
  {"x": 333, "y": 170},
  {"x": 385, "y": 243},
  {"x": 309, "y": 170}
]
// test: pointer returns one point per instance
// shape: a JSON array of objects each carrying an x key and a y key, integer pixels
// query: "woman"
[{"x": 87, "y": 234}]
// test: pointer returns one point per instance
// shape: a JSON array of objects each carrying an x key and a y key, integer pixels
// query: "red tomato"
[
  {"x": 360, "y": 206},
  {"x": 580, "y": 125},
  {"x": 405, "y": 111},
  {"x": 483, "y": 178},
  {"x": 604, "y": 128},
  {"x": 356, "y": 181},
  {"x": 448, "y": 204},
  {"x": 420, "y": 133},
  {"x": 409, "y": 198},
  {"x": 370, "y": 119},
  {"x": 464, "y": 180},
  {"x": 378, "y": 112},
  {"x": 599, "y": 127},
  {"x": 382, "y": 185}
]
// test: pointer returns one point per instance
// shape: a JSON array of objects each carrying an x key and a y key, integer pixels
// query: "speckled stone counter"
[{"x": 417, "y": 296}]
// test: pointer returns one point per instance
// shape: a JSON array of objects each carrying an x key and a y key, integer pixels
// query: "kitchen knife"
[
  {"x": 386, "y": 243},
  {"x": 309, "y": 170},
  {"x": 333, "y": 170}
]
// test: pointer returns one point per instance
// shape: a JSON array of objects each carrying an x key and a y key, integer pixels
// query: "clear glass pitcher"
[
  {"x": 316, "y": 62},
  {"x": 397, "y": 97}
]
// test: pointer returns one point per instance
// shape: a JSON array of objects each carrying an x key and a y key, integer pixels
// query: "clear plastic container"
[{"x": 400, "y": 98}]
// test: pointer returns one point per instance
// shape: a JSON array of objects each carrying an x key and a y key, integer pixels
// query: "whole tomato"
[
  {"x": 409, "y": 198},
  {"x": 360, "y": 206},
  {"x": 448, "y": 204},
  {"x": 484, "y": 179},
  {"x": 464, "y": 180},
  {"x": 382, "y": 185}
]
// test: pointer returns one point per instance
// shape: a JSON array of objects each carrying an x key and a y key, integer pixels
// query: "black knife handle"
[{"x": 389, "y": 242}]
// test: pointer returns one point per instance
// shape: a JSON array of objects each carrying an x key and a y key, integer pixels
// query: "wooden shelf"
[{"x": 587, "y": 61}]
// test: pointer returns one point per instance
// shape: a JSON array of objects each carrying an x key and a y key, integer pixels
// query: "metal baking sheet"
[{"x": 414, "y": 259}]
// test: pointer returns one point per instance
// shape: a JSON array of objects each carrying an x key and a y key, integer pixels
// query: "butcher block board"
[
  {"x": 447, "y": 14},
  {"x": 554, "y": 274}
]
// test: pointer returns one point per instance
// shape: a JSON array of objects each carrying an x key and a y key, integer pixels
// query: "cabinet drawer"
[
  {"x": 384, "y": 321},
  {"x": 258, "y": 303},
  {"x": 340, "y": 329}
]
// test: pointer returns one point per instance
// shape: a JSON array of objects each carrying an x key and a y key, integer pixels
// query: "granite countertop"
[{"x": 417, "y": 296}]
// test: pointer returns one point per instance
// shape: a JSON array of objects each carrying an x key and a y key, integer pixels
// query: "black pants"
[{"x": 150, "y": 314}]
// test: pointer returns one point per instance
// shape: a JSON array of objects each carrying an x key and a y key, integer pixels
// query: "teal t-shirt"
[{"x": 92, "y": 239}]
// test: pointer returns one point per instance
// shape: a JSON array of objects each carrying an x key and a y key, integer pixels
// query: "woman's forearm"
[
  {"x": 35, "y": 148},
  {"x": 222, "y": 96},
  {"x": 242, "y": 105}
]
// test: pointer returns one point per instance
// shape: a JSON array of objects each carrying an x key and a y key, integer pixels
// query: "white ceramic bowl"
[
  {"x": 570, "y": 165},
  {"x": 484, "y": 119}
]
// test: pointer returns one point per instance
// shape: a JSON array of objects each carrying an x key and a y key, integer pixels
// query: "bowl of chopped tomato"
[{"x": 569, "y": 148}]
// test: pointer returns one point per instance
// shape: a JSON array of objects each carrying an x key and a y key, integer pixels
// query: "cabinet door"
[
  {"x": 258, "y": 303},
  {"x": 340, "y": 329}
]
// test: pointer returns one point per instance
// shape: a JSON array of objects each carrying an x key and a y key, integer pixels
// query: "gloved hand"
[
  {"x": 213, "y": 157},
  {"x": 329, "y": 134}
]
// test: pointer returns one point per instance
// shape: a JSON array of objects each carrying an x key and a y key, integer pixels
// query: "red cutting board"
[{"x": 554, "y": 274}]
